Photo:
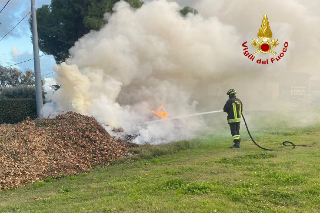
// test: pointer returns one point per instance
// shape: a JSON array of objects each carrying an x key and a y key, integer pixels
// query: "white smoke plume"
[{"x": 152, "y": 56}]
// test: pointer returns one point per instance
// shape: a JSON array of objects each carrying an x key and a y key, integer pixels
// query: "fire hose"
[{"x": 285, "y": 143}]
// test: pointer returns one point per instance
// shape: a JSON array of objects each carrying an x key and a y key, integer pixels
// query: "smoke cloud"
[{"x": 153, "y": 56}]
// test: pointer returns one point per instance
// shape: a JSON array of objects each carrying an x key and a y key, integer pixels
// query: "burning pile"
[{"x": 68, "y": 144}]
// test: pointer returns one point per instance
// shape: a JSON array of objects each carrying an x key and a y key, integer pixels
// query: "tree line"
[
  {"x": 14, "y": 77},
  {"x": 16, "y": 84}
]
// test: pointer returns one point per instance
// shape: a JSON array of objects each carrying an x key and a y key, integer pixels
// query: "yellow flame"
[{"x": 160, "y": 112}]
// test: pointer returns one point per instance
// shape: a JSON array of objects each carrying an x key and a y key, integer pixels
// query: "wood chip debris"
[{"x": 34, "y": 150}]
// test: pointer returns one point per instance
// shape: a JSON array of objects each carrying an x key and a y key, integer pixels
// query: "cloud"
[
  {"x": 47, "y": 62},
  {"x": 13, "y": 13},
  {"x": 15, "y": 51},
  {"x": 17, "y": 46},
  {"x": 21, "y": 57}
]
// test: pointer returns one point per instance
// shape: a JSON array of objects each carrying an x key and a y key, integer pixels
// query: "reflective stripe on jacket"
[{"x": 234, "y": 109}]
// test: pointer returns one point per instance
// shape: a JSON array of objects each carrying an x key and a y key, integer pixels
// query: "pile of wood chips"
[{"x": 71, "y": 143}]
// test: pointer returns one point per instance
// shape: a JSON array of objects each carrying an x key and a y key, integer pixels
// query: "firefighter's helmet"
[{"x": 231, "y": 92}]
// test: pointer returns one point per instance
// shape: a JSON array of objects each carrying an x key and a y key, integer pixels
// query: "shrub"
[
  {"x": 16, "y": 110},
  {"x": 22, "y": 91}
]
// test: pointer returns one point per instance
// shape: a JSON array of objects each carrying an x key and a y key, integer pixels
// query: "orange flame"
[{"x": 160, "y": 112}]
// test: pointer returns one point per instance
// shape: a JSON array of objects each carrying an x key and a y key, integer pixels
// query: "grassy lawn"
[{"x": 200, "y": 175}]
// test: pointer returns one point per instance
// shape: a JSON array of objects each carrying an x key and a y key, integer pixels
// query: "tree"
[
  {"x": 9, "y": 76},
  {"x": 187, "y": 10},
  {"x": 28, "y": 78},
  {"x": 14, "y": 77},
  {"x": 63, "y": 22}
]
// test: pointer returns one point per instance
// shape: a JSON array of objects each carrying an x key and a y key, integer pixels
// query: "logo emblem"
[{"x": 265, "y": 34}]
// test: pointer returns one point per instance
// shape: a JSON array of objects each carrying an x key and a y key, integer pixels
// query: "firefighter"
[{"x": 234, "y": 109}]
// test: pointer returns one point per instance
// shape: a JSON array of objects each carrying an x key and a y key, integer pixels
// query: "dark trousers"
[{"x": 235, "y": 132}]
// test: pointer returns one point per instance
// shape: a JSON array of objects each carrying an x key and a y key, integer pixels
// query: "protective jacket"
[{"x": 234, "y": 109}]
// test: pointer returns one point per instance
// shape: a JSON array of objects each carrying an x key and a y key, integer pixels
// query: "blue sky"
[{"x": 17, "y": 46}]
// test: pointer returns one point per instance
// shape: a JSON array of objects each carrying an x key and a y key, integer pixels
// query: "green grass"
[{"x": 200, "y": 175}]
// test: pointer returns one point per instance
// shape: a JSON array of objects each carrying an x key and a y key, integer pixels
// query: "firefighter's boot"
[{"x": 236, "y": 144}]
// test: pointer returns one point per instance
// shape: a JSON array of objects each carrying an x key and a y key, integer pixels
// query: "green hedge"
[
  {"x": 21, "y": 91},
  {"x": 16, "y": 110}
]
